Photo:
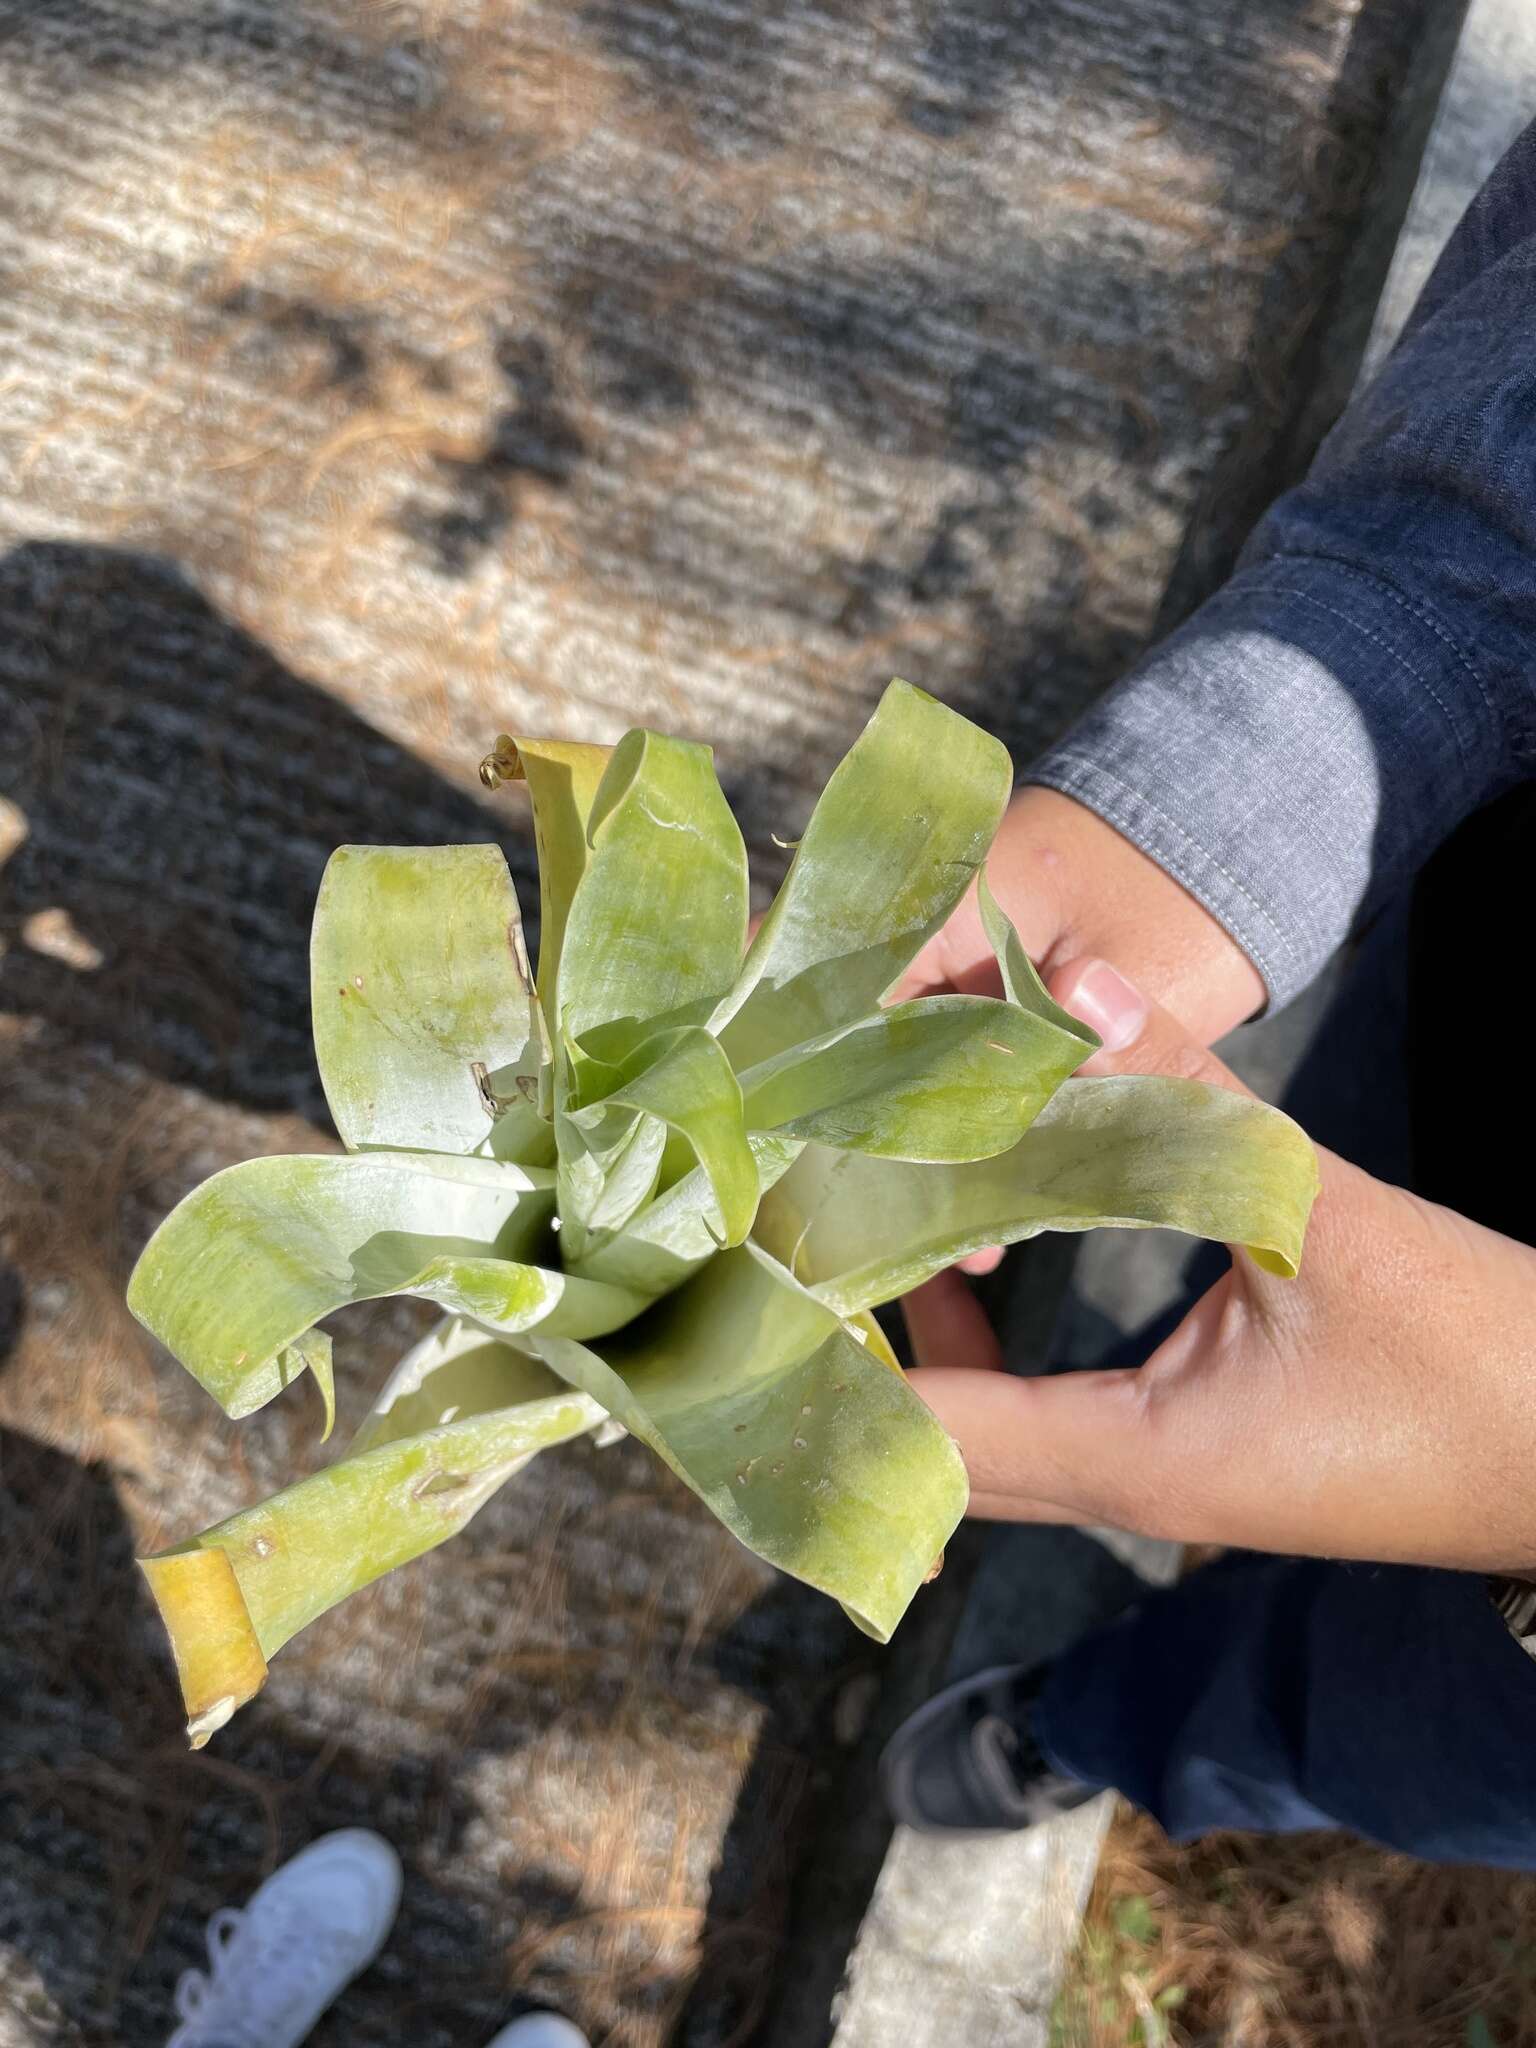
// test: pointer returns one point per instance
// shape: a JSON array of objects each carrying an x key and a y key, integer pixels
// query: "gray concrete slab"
[
  {"x": 963, "y": 1941},
  {"x": 985, "y": 1967}
]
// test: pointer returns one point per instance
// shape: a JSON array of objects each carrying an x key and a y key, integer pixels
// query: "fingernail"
[{"x": 1104, "y": 999}]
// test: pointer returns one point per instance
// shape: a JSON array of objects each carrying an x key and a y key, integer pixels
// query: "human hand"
[
  {"x": 1382, "y": 1405},
  {"x": 1074, "y": 887}
]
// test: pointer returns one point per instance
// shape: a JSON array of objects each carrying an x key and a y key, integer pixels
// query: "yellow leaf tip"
[{"x": 218, "y": 1659}]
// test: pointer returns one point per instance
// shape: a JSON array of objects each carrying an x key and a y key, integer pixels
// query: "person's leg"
[{"x": 1272, "y": 1694}]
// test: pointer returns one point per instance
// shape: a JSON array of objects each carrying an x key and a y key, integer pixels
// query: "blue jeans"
[
  {"x": 1272, "y": 1694},
  {"x": 1269, "y": 1694}
]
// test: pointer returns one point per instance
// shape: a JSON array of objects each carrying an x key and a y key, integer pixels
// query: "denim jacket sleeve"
[{"x": 1367, "y": 678}]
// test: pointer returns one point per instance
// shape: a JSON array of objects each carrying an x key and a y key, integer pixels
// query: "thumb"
[{"x": 1139, "y": 1036}]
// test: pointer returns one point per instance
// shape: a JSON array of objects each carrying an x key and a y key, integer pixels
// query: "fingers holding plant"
[
  {"x": 1381, "y": 1405},
  {"x": 1075, "y": 888}
]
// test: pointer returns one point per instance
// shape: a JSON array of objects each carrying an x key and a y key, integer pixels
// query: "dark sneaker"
[{"x": 966, "y": 1763}]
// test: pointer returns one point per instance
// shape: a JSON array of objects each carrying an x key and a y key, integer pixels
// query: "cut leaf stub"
[{"x": 659, "y": 1185}]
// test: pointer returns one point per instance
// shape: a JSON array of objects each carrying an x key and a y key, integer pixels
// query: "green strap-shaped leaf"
[
  {"x": 659, "y": 919},
  {"x": 234, "y": 1595},
  {"x": 607, "y": 1173},
  {"x": 239, "y": 1272},
  {"x": 347, "y": 1525},
  {"x": 677, "y": 1233},
  {"x": 684, "y": 1078},
  {"x": 458, "y": 1369},
  {"x": 944, "y": 1078},
  {"x": 1129, "y": 1152},
  {"x": 423, "y": 1010},
  {"x": 1021, "y": 984},
  {"x": 312, "y": 1353},
  {"x": 809, "y": 1448},
  {"x": 562, "y": 778},
  {"x": 902, "y": 826}
]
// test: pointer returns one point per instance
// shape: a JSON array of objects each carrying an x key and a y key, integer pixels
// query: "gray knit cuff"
[{"x": 1293, "y": 752}]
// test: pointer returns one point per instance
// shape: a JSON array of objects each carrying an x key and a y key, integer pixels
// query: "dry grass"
[{"x": 1302, "y": 1941}]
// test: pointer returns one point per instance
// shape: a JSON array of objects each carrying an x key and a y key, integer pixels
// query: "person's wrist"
[{"x": 1074, "y": 886}]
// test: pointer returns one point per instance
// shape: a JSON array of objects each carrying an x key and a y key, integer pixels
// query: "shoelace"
[
  {"x": 260, "y": 1985},
  {"x": 1003, "y": 1762},
  {"x": 1009, "y": 1764}
]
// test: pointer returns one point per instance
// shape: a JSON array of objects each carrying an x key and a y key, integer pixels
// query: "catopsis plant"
[{"x": 662, "y": 1184}]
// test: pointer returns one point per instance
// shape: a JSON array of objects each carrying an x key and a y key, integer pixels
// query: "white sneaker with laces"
[
  {"x": 540, "y": 2030},
  {"x": 274, "y": 1967}
]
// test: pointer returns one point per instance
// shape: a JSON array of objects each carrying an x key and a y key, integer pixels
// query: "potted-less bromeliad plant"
[{"x": 663, "y": 1183}]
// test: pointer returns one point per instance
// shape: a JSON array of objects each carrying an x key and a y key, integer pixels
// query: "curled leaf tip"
[
  {"x": 502, "y": 764},
  {"x": 312, "y": 1353},
  {"x": 210, "y": 1721}
]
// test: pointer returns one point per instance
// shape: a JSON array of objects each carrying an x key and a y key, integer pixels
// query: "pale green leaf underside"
[
  {"x": 901, "y": 827},
  {"x": 458, "y": 1369},
  {"x": 240, "y": 1271},
  {"x": 659, "y": 918},
  {"x": 946, "y": 1078},
  {"x": 417, "y": 978},
  {"x": 311, "y": 1353},
  {"x": 806, "y": 1445},
  {"x": 1021, "y": 983},
  {"x": 562, "y": 778},
  {"x": 1126, "y": 1152},
  {"x": 686, "y": 1081}
]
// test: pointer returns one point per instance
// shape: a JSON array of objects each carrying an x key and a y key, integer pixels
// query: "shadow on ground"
[
  {"x": 118, "y": 1839},
  {"x": 178, "y": 792}
]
